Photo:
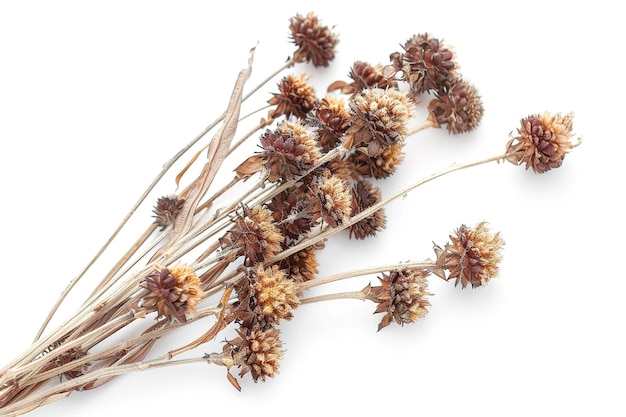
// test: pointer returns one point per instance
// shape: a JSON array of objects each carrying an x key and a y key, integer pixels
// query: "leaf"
[{"x": 250, "y": 166}]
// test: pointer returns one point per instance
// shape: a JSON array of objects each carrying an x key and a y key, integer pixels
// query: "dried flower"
[
  {"x": 401, "y": 296},
  {"x": 379, "y": 119},
  {"x": 380, "y": 166},
  {"x": 427, "y": 64},
  {"x": 257, "y": 350},
  {"x": 297, "y": 97},
  {"x": 471, "y": 258},
  {"x": 332, "y": 200},
  {"x": 301, "y": 266},
  {"x": 332, "y": 119},
  {"x": 316, "y": 43},
  {"x": 460, "y": 107},
  {"x": 254, "y": 235},
  {"x": 174, "y": 291},
  {"x": 275, "y": 293},
  {"x": 291, "y": 211},
  {"x": 364, "y": 75},
  {"x": 366, "y": 195},
  {"x": 543, "y": 141},
  {"x": 166, "y": 210}
]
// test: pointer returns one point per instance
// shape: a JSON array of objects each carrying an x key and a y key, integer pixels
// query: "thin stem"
[
  {"x": 356, "y": 295},
  {"x": 425, "y": 125}
]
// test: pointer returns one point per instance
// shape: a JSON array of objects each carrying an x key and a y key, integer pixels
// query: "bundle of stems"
[{"x": 249, "y": 263}]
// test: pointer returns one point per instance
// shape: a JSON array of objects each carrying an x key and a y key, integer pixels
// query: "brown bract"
[
  {"x": 365, "y": 195},
  {"x": 459, "y": 107},
  {"x": 363, "y": 75},
  {"x": 166, "y": 210},
  {"x": 380, "y": 166},
  {"x": 296, "y": 97},
  {"x": 472, "y": 256},
  {"x": 301, "y": 266},
  {"x": 401, "y": 296},
  {"x": 331, "y": 118},
  {"x": 542, "y": 142},
  {"x": 316, "y": 42}
]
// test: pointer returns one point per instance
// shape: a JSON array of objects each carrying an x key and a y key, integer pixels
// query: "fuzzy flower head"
[
  {"x": 332, "y": 199},
  {"x": 166, "y": 210},
  {"x": 302, "y": 266},
  {"x": 332, "y": 119},
  {"x": 401, "y": 296},
  {"x": 459, "y": 107},
  {"x": 253, "y": 235},
  {"x": 276, "y": 294},
  {"x": 472, "y": 257},
  {"x": 174, "y": 291},
  {"x": 383, "y": 165},
  {"x": 316, "y": 43},
  {"x": 296, "y": 97},
  {"x": 379, "y": 119},
  {"x": 256, "y": 350},
  {"x": 543, "y": 141}
]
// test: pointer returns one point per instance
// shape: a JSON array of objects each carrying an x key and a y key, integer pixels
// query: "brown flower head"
[
  {"x": 296, "y": 97},
  {"x": 71, "y": 355},
  {"x": 460, "y": 107},
  {"x": 364, "y": 75},
  {"x": 379, "y": 119},
  {"x": 401, "y": 296},
  {"x": 332, "y": 200},
  {"x": 380, "y": 166},
  {"x": 301, "y": 266},
  {"x": 256, "y": 350},
  {"x": 332, "y": 119},
  {"x": 174, "y": 291},
  {"x": 316, "y": 43},
  {"x": 472, "y": 257},
  {"x": 275, "y": 294},
  {"x": 166, "y": 210},
  {"x": 366, "y": 195},
  {"x": 291, "y": 211},
  {"x": 290, "y": 151},
  {"x": 543, "y": 141},
  {"x": 427, "y": 64},
  {"x": 254, "y": 235}
]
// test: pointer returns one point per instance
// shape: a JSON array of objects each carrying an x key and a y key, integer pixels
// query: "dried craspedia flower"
[
  {"x": 331, "y": 198},
  {"x": 365, "y": 195},
  {"x": 427, "y": 64},
  {"x": 316, "y": 43},
  {"x": 289, "y": 151},
  {"x": 364, "y": 75},
  {"x": 166, "y": 210},
  {"x": 401, "y": 296},
  {"x": 542, "y": 142},
  {"x": 256, "y": 350},
  {"x": 379, "y": 119},
  {"x": 291, "y": 211},
  {"x": 254, "y": 235},
  {"x": 301, "y": 266},
  {"x": 332, "y": 119},
  {"x": 459, "y": 107},
  {"x": 296, "y": 97},
  {"x": 174, "y": 291},
  {"x": 384, "y": 164},
  {"x": 276, "y": 295},
  {"x": 472, "y": 256}
]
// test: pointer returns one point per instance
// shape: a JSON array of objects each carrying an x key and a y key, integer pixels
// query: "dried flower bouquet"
[{"x": 248, "y": 260}]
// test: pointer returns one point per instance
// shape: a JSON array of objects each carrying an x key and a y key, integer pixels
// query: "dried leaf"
[{"x": 250, "y": 166}]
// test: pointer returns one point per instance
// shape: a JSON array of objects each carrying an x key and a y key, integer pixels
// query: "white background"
[{"x": 95, "y": 97}]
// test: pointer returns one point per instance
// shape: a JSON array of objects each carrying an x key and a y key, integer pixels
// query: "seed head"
[
  {"x": 331, "y": 198},
  {"x": 543, "y": 141},
  {"x": 379, "y": 119},
  {"x": 166, "y": 210},
  {"x": 380, "y": 166},
  {"x": 472, "y": 257},
  {"x": 316, "y": 43},
  {"x": 364, "y": 75},
  {"x": 296, "y": 97},
  {"x": 291, "y": 211},
  {"x": 401, "y": 296},
  {"x": 459, "y": 107},
  {"x": 332, "y": 119},
  {"x": 275, "y": 293},
  {"x": 301, "y": 266},
  {"x": 256, "y": 350},
  {"x": 366, "y": 195},
  {"x": 174, "y": 291}
]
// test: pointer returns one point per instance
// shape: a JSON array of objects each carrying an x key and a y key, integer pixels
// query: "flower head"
[
  {"x": 459, "y": 107},
  {"x": 380, "y": 166},
  {"x": 276, "y": 294},
  {"x": 316, "y": 43},
  {"x": 401, "y": 296},
  {"x": 332, "y": 200},
  {"x": 174, "y": 291},
  {"x": 472, "y": 257},
  {"x": 379, "y": 119},
  {"x": 364, "y": 75},
  {"x": 291, "y": 212},
  {"x": 366, "y": 195},
  {"x": 254, "y": 235},
  {"x": 301, "y": 266},
  {"x": 296, "y": 97},
  {"x": 543, "y": 141},
  {"x": 332, "y": 119},
  {"x": 256, "y": 350},
  {"x": 166, "y": 210}
]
